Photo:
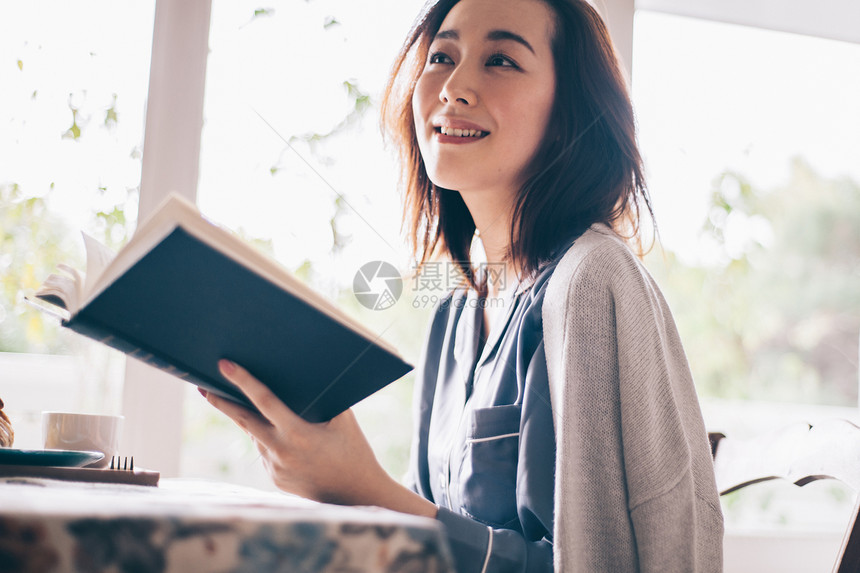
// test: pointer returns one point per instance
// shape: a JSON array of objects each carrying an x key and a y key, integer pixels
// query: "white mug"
[{"x": 84, "y": 432}]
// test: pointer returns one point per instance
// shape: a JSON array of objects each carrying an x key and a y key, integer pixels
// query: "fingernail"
[
  {"x": 226, "y": 366},
  {"x": 203, "y": 392}
]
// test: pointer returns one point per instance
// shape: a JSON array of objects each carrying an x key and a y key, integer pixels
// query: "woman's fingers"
[
  {"x": 269, "y": 405},
  {"x": 328, "y": 462},
  {"x": 249, "y": 421}
]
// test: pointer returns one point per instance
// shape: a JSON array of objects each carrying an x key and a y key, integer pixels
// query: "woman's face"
[{"x": 483, "y": 100}]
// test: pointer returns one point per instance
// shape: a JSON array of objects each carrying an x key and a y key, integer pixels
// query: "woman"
[{"x": 562, "y": 429}]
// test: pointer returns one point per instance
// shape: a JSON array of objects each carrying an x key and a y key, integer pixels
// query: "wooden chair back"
[{"x": 800, "y": 453}]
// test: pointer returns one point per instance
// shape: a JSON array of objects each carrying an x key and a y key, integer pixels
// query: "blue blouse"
[{"x": 484, "y": 445}]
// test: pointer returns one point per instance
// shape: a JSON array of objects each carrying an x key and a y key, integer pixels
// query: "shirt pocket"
[{"x": 488, "y": 481}]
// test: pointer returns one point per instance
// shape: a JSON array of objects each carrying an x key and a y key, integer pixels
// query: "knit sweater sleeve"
[{"x": 634, "y": 484}]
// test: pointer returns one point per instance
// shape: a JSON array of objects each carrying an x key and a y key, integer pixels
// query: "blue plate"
[{"x": 63, "y": 458}]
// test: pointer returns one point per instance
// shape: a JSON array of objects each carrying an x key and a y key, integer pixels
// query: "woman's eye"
[
  {"x": 501, "y": 60},
  {"x": 439, "y": 58}
]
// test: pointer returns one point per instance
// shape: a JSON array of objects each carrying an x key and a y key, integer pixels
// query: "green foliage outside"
[
  {"x": 34, "y": 237},
  {"x": 32, "y": 242},
  {"x": 777, "y": 315}
]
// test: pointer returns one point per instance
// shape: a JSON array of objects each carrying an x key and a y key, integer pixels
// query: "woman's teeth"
[{"x": 461, "y": 132}]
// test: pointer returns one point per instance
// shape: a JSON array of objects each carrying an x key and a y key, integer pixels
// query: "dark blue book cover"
[{"x": 184, "y": 305}]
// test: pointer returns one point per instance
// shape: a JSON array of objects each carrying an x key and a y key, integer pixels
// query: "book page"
[
  {"x": 98, "y": 258},
  {"x": 68, "y": 289},
  {"x": 62, "y": 290}
]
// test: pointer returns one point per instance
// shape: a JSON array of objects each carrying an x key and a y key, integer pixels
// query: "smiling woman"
[
  {"x": 515, "y": 82},
  {"x": 539, "y": 64},
  {"x": 564, "y": 430}
]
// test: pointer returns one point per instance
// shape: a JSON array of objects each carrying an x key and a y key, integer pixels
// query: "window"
[
  {"x": 74, "y": 83},
  {"x": 751, "y": 139},
  {"x": 751, "y": 145}
]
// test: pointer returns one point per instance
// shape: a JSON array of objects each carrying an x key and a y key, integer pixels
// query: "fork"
[{"x": 125, "y": 465}]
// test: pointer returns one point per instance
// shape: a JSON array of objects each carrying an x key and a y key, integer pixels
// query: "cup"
[{"x": 86, "y": 432}]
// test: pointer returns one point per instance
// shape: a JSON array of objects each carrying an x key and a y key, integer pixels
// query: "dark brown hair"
[{"x": 587, "y": 169}]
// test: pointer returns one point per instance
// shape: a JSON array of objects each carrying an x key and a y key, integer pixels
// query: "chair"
[{"x": 800, "y": 453}]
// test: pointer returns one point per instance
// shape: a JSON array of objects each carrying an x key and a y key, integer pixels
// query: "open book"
[{"x": 184, "y": 293}]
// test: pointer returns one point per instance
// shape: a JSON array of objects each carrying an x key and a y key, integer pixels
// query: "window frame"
[{"x": 152, "y": 401}]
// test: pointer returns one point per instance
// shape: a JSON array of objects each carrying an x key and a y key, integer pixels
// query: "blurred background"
[{"x": 751, "y": 139}]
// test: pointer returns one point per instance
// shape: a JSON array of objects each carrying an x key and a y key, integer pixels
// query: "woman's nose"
[{"x": 459, "y": 88}]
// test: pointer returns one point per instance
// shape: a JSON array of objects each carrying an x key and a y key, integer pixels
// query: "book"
[{"x": 185, "y": 292}]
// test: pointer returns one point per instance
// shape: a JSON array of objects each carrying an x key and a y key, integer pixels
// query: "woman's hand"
[{"x": 330, "y": 462}]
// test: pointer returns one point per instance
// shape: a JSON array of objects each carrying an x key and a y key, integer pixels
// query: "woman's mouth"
[{"x": 456, "y": 132}]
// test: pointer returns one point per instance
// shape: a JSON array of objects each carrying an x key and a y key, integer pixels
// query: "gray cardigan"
[{"x": 634, "y": 486}]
